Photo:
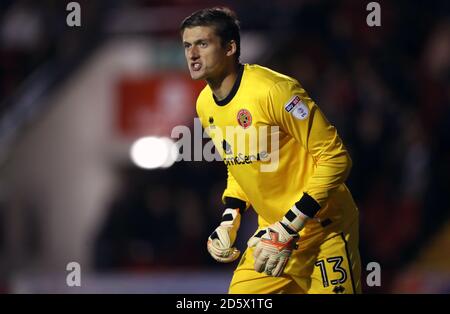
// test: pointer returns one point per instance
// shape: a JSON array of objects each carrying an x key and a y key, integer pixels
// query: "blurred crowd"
[
  {"x": 386, "y": 89},
  {"x": 35, "y": 40}
]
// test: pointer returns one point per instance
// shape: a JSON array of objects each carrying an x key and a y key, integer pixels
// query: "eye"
[
  {"x": 203, "y": 44},
  {"x": 186, "y": 45}
]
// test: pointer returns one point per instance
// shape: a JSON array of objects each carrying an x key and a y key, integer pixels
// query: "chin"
[{"x": 197, "y": 76}]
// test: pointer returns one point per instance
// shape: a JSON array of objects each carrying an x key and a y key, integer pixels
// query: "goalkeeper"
[{"x": 307, "y": 240}]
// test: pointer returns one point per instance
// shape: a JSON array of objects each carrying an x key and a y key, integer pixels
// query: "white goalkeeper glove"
[
  {"x": 275, "y": 243},
  {"x": 220, "y": 242},
  {"x": 273, "y": 247}
]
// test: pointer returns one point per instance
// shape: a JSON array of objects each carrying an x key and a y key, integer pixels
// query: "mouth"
[{"x": 196, "y": 66}]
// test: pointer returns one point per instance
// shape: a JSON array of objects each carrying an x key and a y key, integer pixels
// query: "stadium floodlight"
[{"x": 153, "y": 152}]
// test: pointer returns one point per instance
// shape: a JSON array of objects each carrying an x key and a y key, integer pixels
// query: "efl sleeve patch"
[
  {"x": 292, "y": 103},
  {"x": 297, "y": 108}
]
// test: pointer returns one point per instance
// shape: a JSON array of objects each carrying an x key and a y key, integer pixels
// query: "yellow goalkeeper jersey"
[{"x": 277, "y": 144}]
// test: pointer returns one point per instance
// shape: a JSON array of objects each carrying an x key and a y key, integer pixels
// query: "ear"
[{"x": 231, "y": 48}]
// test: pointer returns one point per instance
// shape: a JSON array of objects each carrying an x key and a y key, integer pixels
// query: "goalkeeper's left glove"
[{"x": 275, "y": 243}]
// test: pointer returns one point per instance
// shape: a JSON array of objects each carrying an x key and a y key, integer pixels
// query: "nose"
[{"x": 193, "y": 53}]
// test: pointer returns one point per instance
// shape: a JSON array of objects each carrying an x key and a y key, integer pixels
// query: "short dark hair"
[{"x": 224, "y": 21}]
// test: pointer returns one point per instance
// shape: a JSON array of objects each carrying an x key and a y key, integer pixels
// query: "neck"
[{"x": 221, "y": 86}]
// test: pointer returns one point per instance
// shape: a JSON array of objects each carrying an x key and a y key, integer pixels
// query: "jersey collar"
[{"x": 234, "y": 90}]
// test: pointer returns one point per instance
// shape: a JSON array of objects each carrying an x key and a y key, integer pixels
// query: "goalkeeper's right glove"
[
  {"x": 273, "y": 247},
  {"x": 220, "y": 242}
]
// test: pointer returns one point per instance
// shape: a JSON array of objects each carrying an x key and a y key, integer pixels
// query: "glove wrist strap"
[
  {"x": 294, "y": 219},
  {"x": 230, "y": 217}
]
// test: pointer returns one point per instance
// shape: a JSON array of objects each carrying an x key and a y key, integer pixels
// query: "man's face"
[{"x": 204, "y": 53}]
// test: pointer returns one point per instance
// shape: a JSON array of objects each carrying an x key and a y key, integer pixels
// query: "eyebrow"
[{"x": 196, "y": 42}]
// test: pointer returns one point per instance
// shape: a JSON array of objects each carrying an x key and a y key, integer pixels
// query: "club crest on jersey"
[
  {"x": 297, "y": 108},
  {"x": 244, "y": 118}
]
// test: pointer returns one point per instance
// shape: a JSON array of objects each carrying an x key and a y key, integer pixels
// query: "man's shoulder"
[
  {"x": 205, "y": 93},
  {"x": 266, "y": 76},
  {"x": 204, "y": 100}
]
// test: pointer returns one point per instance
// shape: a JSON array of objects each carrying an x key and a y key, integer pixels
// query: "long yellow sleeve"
[
  {"x": 293, "y": 110},
  {"x": 234, "y": 190}
]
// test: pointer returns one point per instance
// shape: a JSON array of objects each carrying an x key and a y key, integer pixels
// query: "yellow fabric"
[
  {"x": 312, "y": 158},
  {"x": 303, "y": 273},
  {"x": 234, "y": 190}
]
